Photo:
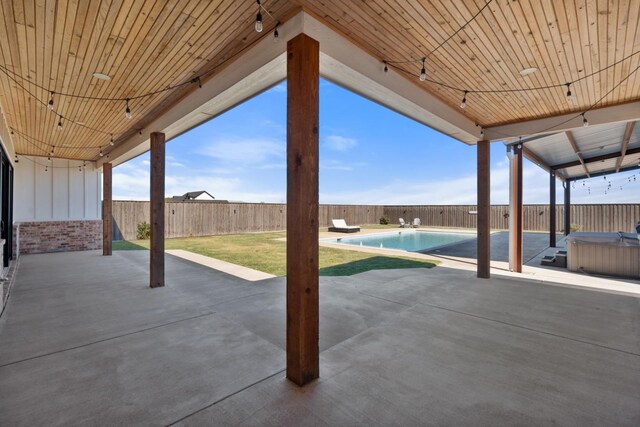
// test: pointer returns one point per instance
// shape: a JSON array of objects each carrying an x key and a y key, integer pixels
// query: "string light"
[
  {"x": 259, "y": 18},
  {"x": 464, "y": 100},
  {"x": 127, "y": 111},
  {"x": 275, "y": 32},
  {"x": 101, "y": 153},
  {"x": 111, "y": 141},
  {"x": 585, "y": 122},
  {"x": 59, "y": 122},
  {"x": 569, "y": 96},
  {"x": 50, "y": 104},
  {"x": 423, "y": 72},
  {"x": 17, "y": 159},
  {"x": 386, "y": 68}
]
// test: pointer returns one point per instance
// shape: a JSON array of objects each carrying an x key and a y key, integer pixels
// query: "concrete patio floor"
[{"x": 84, "y": 341}]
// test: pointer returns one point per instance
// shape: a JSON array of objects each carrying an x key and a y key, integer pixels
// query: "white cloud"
[
  {"x": 238, "y": 151},
  {"x": 450, "y": 191},
  {"x": 338, "y": 165},
  {"x": 340, "y": 143}
]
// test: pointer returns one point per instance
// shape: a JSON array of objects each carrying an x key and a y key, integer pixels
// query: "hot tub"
[{"x": 615, "y": 254}]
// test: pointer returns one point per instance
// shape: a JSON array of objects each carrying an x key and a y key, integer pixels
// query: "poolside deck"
[{"x": 403, "y": 347}]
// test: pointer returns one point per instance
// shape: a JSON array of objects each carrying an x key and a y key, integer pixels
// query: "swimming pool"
[{"x": 406, "y": 240}]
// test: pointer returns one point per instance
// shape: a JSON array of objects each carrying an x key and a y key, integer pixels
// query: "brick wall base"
[{"x": 57, "y": 236}]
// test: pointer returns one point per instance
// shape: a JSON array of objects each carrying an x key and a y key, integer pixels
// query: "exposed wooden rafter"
[
  {"x": 576, "y": 150},
  {"x": 538, "y": 161},
  {"x": 625, "y": 143},
  {"x": 595, "y": 159}
]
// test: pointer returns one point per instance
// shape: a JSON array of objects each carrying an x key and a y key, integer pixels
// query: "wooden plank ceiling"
[
  {"x": 143, "y": 45},
  {"x": 146, "y": 45}
]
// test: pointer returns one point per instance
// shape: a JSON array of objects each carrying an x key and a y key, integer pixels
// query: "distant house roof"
[{"x": 194, "y": 195}]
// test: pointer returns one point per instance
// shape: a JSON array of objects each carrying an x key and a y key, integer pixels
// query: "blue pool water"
[{"x": 411, "y": 241}]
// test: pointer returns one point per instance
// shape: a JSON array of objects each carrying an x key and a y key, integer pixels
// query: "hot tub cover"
[{"x": 609, "y": 239}]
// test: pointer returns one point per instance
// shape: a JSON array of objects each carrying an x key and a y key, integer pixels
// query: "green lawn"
[{"x": 266, "y": 252}]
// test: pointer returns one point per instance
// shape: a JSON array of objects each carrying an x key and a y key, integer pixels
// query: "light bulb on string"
[
  {"x": 463, "y": 103},
  {"x": 386, "y": 68},
  {"x": 423, "y": 72},
  {"x": 17, "y": 159},
  {"x": 275, "y": 32},
  {"x": 111, "y": 141},
  {"x": 127, "y": 111},
  {"x": 59, "y": 122},
  {"x": 569, "y": 96},
  {"x": 259, "y": 20},
  {"x": 101, "y": 153},
  {"x": 50, "y": 105},
  {"x": 585, "y": 122}
]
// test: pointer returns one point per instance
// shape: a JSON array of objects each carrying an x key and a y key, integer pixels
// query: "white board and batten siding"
[{"x": 66, "y": 191}]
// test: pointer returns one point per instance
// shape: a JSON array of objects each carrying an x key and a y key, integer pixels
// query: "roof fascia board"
[{"x": 563, "y": 122}]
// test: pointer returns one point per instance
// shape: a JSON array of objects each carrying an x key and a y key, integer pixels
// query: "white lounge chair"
[
  {"x": 403, "y": 224},
  {"x": 340, "y": 226},
  {"x": 416, "y": 222}
]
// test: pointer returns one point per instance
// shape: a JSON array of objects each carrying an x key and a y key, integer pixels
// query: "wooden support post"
[
  {"x": 516, "y": 204},
  {"x": 552, "y": 209},
  {"x": 567, "y": 207},
  {"x": 156, "y": 267},
  {"x": 107, "y": 209},
  {"x": 303, "y": 74},
  {"x": 484, "y": 210}
]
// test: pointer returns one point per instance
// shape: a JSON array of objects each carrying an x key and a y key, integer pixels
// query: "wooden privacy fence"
[
  {"x": 183, "y": 219},
  {"x": 599, "y": 218}
]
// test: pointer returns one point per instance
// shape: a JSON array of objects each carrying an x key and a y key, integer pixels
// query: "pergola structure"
[{"x": 103, "y": 82}]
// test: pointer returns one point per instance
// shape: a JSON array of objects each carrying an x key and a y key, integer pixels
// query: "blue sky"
[{"x": 368, "y": 155}]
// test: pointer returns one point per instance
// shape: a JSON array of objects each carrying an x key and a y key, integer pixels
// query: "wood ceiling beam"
[
  {"x": 625, "y": 143},
  {"x": 595, "y": 159},
  {"x": 576, "y": 150},
  {"x": 597, "y": 174},
  {"x": 538, "y": 161},
  {"x": 563, "y": 122}
]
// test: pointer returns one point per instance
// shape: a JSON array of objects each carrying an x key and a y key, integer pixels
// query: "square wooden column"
[
  {"x": 484, "y": 210},
  {"x": 303, "y": 74},
  {"x": 567, "y": 207},
  {"x": 515, "y": 168},
  {"x": 107, "y": 208},
  {"x": 156, "y": 267},
  {"x": 552, "y": 209}
]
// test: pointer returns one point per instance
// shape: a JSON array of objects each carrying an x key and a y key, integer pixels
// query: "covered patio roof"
[
  {"x": 181, "y": 63},
  {"x": 586, "y": 152}
]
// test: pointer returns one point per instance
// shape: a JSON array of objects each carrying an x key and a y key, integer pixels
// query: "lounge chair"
[
  {"x": 340, "y": 226},
  {"x": 416, "y": 222},
  {"x": 403, "y": 224}
]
